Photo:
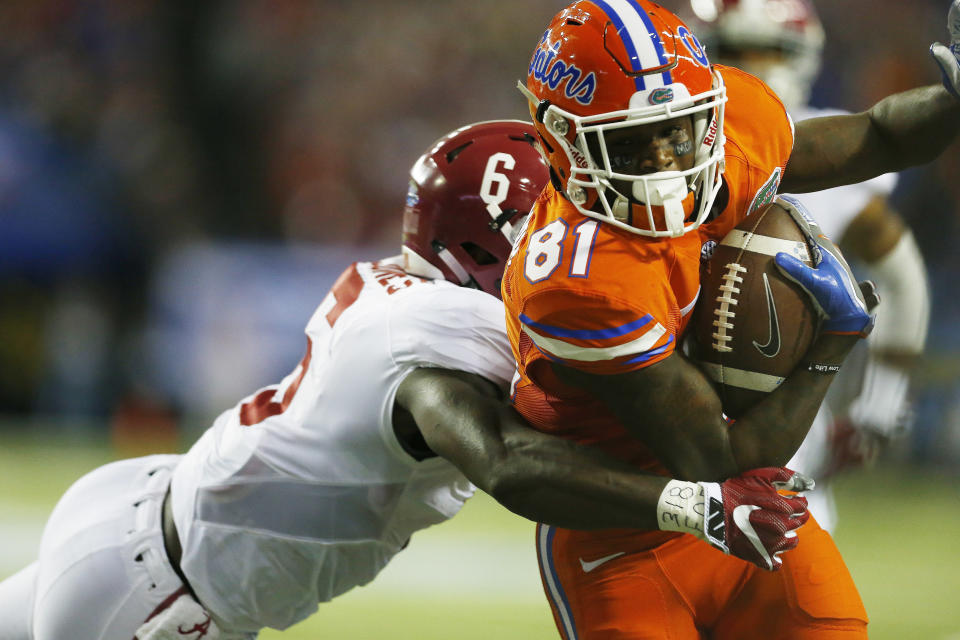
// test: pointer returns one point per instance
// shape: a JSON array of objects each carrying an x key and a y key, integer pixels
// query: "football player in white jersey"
[
  {"x": 306, "y": 489},
  {"x": 781, "y": 41}
]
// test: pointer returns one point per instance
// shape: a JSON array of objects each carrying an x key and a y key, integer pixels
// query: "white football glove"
[{"x": 947, "y": 57}]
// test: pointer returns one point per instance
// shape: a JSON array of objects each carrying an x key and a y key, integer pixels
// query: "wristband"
[
  {"x": 825, "y": 369},
  {"x": 680, "y": 508}
]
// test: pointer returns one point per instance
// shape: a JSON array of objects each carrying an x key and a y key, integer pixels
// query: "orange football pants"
[{"x": 605, "y": 585}]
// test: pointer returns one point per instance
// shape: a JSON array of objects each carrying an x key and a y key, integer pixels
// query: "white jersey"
[
  {"x": 302, "y": 491},
  {"x": 834, "y": 209}
]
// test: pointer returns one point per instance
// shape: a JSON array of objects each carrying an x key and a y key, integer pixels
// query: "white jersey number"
[
  {"x": 545, "y": 250},
  {"x": 274, "y": 400},
  {"x": 495, "y": 186}
]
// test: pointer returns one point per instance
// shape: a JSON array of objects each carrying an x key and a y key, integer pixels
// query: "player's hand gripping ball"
[{"x": 834, "y": 292}]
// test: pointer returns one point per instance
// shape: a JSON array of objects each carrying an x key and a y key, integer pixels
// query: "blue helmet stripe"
[
  {"x": 627, "y": 41},
  {"x": 620, "y": 13},
  {"x": 667, "y": 79}
]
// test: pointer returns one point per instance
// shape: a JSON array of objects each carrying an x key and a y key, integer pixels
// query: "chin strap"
[
  {"x": 673, "y": 211},
  {"x": 669, "y": 194}
]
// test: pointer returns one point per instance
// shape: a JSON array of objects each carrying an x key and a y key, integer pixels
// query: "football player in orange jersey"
[{"x": 654, "y": 153}]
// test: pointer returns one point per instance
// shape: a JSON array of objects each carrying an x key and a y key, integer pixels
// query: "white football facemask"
[{"x": 677, "y": 193}]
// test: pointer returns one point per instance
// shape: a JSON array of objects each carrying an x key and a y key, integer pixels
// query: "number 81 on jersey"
[{"x": 545, "y": 250}]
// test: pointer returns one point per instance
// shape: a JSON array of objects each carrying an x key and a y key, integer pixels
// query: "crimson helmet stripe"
[{"x": 640, "y": 39}]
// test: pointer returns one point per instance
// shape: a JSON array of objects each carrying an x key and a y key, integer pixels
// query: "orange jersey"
[{"x": 600, "y": 299}]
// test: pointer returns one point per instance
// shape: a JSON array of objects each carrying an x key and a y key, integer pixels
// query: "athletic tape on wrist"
[{"x": 680, "y": 508}]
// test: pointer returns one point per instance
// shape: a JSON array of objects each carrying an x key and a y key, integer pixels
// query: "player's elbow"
[
  {"x": 505, "y": 478},
  {"x": 518, "y": 493},
  {"x": 514, "y": 474}
]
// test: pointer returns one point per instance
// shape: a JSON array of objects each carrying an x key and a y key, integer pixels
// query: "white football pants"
[{"x": 102, "y": 569}]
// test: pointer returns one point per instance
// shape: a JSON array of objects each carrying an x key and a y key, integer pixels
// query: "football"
[{"x": 752, "y": 326}]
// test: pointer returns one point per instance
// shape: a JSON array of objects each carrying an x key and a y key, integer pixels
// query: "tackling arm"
[
  {"x": 544, "y": 478},
  {"x": 540, "y": 477}
]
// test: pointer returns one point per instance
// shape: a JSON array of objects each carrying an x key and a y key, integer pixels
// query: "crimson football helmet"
[
  {"x": 790, "y": 29},
  {"x": 603, "y": 65},
  {"x": 467, "y": 196}
]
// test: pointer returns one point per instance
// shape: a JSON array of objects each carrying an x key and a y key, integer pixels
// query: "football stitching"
[{"x": 724, "y": 313}]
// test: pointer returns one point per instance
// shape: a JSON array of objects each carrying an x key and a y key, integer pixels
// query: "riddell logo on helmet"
[
  {"x": 547, "y": 68},
  {"x": 711, "y": 134},
  {"x": 661, "y": 95},
  {"x": 579, "y": 158}
]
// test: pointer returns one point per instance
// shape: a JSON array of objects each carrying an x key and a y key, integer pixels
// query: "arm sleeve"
[{"x": 904, "y": 313}]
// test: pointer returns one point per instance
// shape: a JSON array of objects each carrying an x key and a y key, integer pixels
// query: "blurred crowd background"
[{"x": 181, "y": 181}]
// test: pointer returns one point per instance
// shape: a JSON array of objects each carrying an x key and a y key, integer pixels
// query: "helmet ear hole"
[{"x": 480, "y": 255}]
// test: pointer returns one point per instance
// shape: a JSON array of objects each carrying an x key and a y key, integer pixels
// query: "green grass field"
[{"x": 476, "y": 576}]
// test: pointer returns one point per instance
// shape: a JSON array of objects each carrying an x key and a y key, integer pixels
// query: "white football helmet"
[{"x": 731, "y": 30}]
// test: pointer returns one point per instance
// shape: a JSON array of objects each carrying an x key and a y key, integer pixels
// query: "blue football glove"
[
  {"x": 834, "y": 292},
  {"x": 947, "y": 57}
]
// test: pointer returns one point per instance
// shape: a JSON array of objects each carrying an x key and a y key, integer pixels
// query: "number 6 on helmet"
[{"x": 467, "y": 195}]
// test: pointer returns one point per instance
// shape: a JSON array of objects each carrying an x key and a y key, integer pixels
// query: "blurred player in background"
[
  {"x": 781, "y": 41},
  {"x": 653, "y": 153},
  {"x": 306, "y": 489}
]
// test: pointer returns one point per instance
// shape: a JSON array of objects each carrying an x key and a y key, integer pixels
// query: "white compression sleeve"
[
  {"x": 883, "y": 405},
  {"x": 904, "y": 311},
  {"x": 904, "y": 314}
]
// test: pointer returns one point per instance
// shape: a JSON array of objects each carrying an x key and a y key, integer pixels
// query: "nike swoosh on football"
[
  {"x": 593, "y": 564},
  {"x": 741, "y": 518},
  {"x": 772, "y": 347}
]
